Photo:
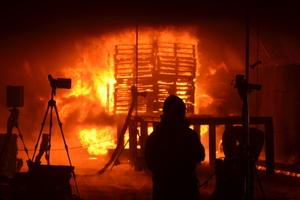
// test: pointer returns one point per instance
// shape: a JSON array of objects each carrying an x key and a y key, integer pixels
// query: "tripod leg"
[
  {"x": 51, "y": 104},
  {"x": 43, "y": 124},
  {"x": 260, "y": 184},
  {"x": 66, "y": 146},
  {"x": 43, "y": 147},
  {"x": 62, "y": 134},
  {"x": 21, "y": 137}
]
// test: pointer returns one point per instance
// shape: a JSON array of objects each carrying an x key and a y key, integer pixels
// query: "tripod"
[
  {"x": 11, "y": 123},
  {"x": 54, "y": 83},
  {"x": 51, "y": 105}
]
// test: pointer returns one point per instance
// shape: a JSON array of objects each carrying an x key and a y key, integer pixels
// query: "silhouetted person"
[
  {"x": 231, "y": 173},
  {"x": 172, "y": 152},
  {"x": 232, "y": 141}
]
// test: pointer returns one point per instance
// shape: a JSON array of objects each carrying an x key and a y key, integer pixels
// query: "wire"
[{"x": 78, "y": 147}]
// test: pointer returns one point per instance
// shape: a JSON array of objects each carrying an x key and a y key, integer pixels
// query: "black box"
[{"x": 15, "y": 96}]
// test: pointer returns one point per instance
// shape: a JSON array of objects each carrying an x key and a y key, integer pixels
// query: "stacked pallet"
[
  {"x": 160, "y": 69},
  {"x": 125, "y": 77}
]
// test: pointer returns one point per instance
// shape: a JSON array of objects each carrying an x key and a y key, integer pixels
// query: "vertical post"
[
  {"x": 269, "y": 148},
  {"x": 119, "y": 130},
  {"x": 249, "y": 163},
  {"x": 212, "y": 144},
  {"x": 143, "y": 139},
  {"x": 134, "y": 131},
  {"x": 132, "y": 141},
  {"x": 198, "y": 130},
  {"x": 136, "y": 63},
  {"x": 144, "y": 135}
]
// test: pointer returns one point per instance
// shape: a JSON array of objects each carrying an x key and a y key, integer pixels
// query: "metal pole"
[
  {"x": 133, "y": 131},
  {"x": 249, "y": 167},
  {"x": 136, "y": 63}
]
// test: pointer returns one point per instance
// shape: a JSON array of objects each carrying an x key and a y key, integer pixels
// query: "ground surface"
[{"x": 124, "y": 183}]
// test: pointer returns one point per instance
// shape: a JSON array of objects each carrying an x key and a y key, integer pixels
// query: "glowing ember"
[{"x": 277, "y": 171}]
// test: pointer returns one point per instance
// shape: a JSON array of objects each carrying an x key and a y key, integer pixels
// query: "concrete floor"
[{"x": 124, "y": 183}]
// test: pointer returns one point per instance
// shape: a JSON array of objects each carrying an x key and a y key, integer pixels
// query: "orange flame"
[
  {"x": 97, "y": 141},
  {"x": 203, "y": 129},
  {"x": 93, "y": 81}
]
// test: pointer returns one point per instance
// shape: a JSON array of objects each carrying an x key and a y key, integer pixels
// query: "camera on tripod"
[{"x": 60, "y": 82}]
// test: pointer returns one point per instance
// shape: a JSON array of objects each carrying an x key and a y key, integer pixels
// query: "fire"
[
  {"x": 203, "y": 129},
  {"x": 93, "y": 81},
  {"x": 97, "y": 141},
  {"x": 205, "y": 100}
]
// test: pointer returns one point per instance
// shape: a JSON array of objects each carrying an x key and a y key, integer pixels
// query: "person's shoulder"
[
  {"x": 192, "y": 132},
  {"x": 154, "y": 133}
]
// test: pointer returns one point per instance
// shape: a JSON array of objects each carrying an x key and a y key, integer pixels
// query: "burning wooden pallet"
[{"x": 161, "y": 69}]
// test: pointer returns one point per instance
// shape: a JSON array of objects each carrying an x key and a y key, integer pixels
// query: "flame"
[
  {"x": 97, "y": 141},
  {"x": 203, "y": 129},
  {"x": 93, "y": 79},
  {"x": 205, "y": 100}
]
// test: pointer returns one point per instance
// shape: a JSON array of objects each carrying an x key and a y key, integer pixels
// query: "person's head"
[{"x": 174, "y": 108}]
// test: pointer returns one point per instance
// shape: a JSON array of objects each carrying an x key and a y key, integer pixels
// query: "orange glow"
[
  {"x": 150, "y": 129},
  {"x": 97, "y": 141},
  {"x": 204, "y": 100},
  {"x": 277, "y": 171},
  {"x": 80, "y": 88},
  {"x": 126, "y": 138},
  {"x": 212, "y": 71},
  {"x": 93, "y": 79},
  {"x": 203, "y": 129}
]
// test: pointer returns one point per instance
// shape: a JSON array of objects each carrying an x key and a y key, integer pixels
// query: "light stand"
[
  {"x": 244, "y": 88},
  {"x": 245, "y": 115}
]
